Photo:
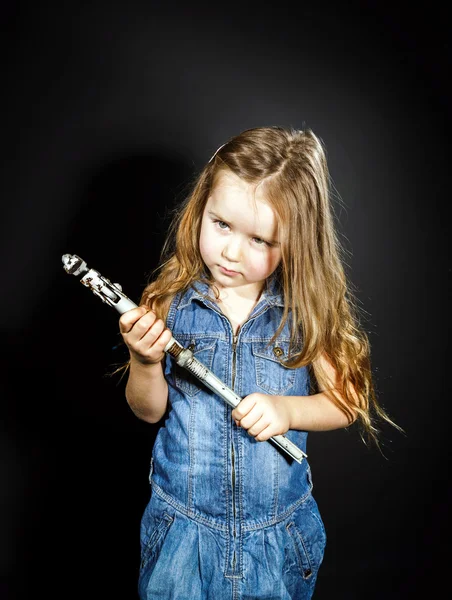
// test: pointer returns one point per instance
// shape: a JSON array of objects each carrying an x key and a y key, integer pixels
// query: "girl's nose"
[{"x": 232, "y": 250}]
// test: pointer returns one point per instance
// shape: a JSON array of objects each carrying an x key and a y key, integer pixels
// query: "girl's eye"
[
  {"x": 222, "y": 224},
  {"x": 260, "y": 242}
]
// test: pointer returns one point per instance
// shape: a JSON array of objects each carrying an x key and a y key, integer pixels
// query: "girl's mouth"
[{"x": 227, "y": 271}]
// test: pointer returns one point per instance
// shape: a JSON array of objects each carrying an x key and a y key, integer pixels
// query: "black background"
[{"x": 108, "y": 111}]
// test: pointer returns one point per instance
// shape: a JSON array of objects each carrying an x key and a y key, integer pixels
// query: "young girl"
[{"x": 252, "y": 282}]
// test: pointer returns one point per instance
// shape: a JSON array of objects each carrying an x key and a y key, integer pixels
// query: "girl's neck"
[{"x": 237, "y": 307}]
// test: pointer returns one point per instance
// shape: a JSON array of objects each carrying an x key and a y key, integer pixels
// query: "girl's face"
[{"x": 239, "y": 235}]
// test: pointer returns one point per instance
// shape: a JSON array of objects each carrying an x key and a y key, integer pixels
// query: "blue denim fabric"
[{"x": 229, "y": 517}]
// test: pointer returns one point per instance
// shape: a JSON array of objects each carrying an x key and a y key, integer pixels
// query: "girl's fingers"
[
  {"x": 264, "y": 435},
  {"x": 145, "y": 335},
  {"x": 165, "y": 338},
  {"x": 148, "y": 324},
  {"x": 259, "y": 428},
  {"x": 129, "y": 318},
  {"x": 153, "y": 332},
  {"x": 157, "y": 337},
  {"x": 252, "y": 418},
  {"x": 243, "y": 408},
  {"x": 142, "y": 324}
]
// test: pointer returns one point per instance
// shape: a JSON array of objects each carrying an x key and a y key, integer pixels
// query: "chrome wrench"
[{"x": 112, "y": 294}]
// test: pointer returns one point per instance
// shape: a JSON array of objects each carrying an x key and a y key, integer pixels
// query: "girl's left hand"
[{"x": 262, "y": 416}]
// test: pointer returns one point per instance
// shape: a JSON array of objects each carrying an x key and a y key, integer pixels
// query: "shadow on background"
[{"x": 75, "y": 452}]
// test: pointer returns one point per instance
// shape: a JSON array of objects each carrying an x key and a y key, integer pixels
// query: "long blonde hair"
[{"x": 292, "y": 166}]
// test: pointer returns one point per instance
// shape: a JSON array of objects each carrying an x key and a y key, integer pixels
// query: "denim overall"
[{"x": 229, "y": 518}]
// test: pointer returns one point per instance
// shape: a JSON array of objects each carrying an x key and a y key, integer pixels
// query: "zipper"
[
  {"x": 234, "y": 358},
  {"x": 234, "y": 531},
  {"x": 234, "y": 510}
]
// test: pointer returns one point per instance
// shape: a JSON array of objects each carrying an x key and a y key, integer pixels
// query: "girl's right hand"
[{"x": 144, "y": 335}]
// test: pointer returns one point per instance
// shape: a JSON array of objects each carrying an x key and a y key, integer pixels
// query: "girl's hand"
[
  {"x": 262, "y": 416},
  {"x": 144, "y": 335}
]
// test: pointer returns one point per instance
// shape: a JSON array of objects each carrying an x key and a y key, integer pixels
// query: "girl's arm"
[
  {"x": 318, "y": 412},
  {"x": 314, "y": 413},
  {"x": 146, "y": 338},
  {"x": 147, "y": 391}
]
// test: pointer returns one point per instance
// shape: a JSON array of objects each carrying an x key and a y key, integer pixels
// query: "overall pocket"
[
  {"x": 152, "y": 546},
  {"x": 203, "y": 350},
  {"x": 308, "y": 539},
  {"x": 271, "y": 375}
]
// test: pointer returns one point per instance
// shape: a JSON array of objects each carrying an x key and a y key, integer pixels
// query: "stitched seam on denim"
[
  {"x": 259, "y": 366},
  {"x": 276, "y": 486},
  {"x": 228, "y": 442},
  {"x": 263, "y": 340},
  {"x": 267, "y": 355},
  {"x": 298, "y": 535},
  {"x": 208, "y": 302},
  {"x": 274, "y": 360},
  {"x": 188, "y": 513},
  {"x": 258, "y": 313},
  {"x": 200, "y": 335},
  {"x": 192, "y": 389},
  {"x": 268, "y": 301},
  {"x": 240, "y": 502},
  {"x": 172, "y": 311},
  {"x": 238, "y": 385},
  {"x": 164, "y": 524},
  {"x": 238, "y": 368},
  {"x": 281, "y": 516},
  {"x": 296, "y": 548},
  {"x": 267, "y": 347},
  {"x": 226, "y": 422},
  {"x": 303, "y": 543},
  {"x": 191, "y": 452},
  {"x": 190, "y": 295},
  {"x": 226, "y": 375}
]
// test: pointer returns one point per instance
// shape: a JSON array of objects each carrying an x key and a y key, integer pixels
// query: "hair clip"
[{"x": 216, "y": 152}]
